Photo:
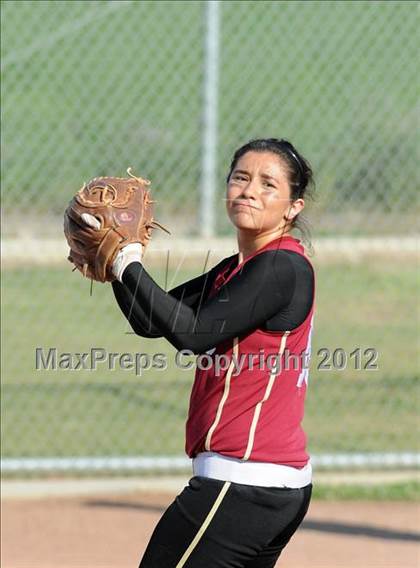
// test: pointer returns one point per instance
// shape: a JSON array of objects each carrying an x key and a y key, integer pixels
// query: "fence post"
[{"x": 210, "y": 120}]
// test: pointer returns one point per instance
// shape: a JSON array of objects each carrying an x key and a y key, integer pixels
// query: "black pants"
[{"x": 218, "y": 524}]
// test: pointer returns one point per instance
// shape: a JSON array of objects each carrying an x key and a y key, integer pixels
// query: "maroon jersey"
[{"x": 253, "y": 409}]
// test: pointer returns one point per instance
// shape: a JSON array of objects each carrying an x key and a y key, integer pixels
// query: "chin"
[{"x": 245, "y": 222}]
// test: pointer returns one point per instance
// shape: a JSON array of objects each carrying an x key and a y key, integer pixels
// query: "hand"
[
  {"x": 105, "y": 216},
  {"x": 128, "y": 254}
]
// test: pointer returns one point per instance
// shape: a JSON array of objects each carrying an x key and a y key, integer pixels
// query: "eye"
[
  {"x": 239, "y": 177},
  {"x": 269, "y": 184}
]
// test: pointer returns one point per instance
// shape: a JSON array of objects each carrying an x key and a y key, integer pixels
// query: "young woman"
[{"x": 252, "y": 478}]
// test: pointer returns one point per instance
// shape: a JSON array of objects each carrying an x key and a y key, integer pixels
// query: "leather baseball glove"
[{"x": 105, "y": 215}]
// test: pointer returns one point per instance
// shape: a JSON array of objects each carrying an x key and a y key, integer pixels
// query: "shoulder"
[
  {"x": 282, "y": 264},
  {"x": 278, "y": 258},
  {"x": 286, "y": 259}
]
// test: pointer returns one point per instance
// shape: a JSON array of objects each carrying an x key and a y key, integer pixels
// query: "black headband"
[{"x": 290, "y": 150}]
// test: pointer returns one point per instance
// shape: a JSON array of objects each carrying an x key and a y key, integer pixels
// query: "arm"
[
  {"x": 264, "y": 286},
  {"x": 135, "y": 314},
  {"x": 140, "y": 316}
]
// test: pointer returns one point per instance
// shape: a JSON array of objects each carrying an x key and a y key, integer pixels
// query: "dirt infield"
[{"x": 111, "y": 531}]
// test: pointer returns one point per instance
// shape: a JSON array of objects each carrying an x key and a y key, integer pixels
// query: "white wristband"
[{"x": 131, "y": 253}]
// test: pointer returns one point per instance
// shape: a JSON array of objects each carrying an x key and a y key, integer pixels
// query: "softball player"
[{"x": 252, "y": 478}]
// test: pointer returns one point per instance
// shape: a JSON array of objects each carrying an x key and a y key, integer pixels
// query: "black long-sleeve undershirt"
[
  {"x": 140, "y": 316},
  {"x": 272, "y": 291}
]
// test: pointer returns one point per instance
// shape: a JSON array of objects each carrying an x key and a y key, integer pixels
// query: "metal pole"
[{"x": 210, "y": 120}]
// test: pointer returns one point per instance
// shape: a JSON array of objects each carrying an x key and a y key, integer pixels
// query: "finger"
[{"x": 91, "y": 221}]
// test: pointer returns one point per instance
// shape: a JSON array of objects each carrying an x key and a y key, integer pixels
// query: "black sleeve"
[
  {"x": 140, "y": 316},
  {"x": 140, "y": 323},
  {"x": 263, "y": 286}
]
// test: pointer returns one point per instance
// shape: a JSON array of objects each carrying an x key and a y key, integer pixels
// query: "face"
[{"x": 258, "y": 194}]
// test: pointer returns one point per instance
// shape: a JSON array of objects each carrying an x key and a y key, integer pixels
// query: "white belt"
[{"x": 262, "y": 474}]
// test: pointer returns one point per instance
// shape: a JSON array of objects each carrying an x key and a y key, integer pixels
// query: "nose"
[{"x": 250, "y": 190}]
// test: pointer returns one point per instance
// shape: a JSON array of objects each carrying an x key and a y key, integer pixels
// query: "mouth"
[{"x": 240, "y": 204}]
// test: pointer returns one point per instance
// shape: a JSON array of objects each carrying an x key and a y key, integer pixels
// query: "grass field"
[{"x": 70, "y": 413}]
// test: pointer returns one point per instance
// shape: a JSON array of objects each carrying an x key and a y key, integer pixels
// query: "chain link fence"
[{"x": 90, "y": 88}]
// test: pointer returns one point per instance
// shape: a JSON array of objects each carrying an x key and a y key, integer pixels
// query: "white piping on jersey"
[
  {"x": 204, "y": 526},
  {"x": 267, "y": 393},
  {"x": 224, "y": 396},
  {"x": 304, "y": 374}
]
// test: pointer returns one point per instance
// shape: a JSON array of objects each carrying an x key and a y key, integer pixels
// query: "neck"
[{"x": 249, "y": 243}]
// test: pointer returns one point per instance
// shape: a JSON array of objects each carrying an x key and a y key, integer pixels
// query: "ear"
[{"x": 294, "y": 209}]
